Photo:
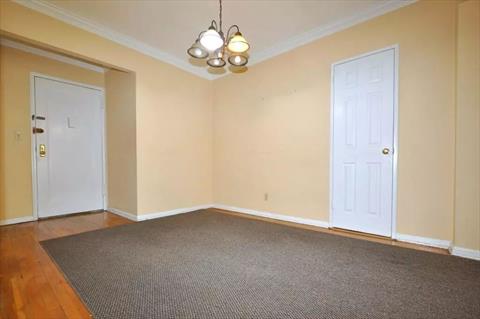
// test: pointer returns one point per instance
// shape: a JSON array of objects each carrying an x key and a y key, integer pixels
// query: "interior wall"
[
  {"x": 173, "y": 110},
  {"x": 121, "y": 136},
  {"x": 174, "y": 140},
  {"x": 272, "y": 123},
  {"x": 467, "y": 183},
  {"x": 15, "y": 136}
]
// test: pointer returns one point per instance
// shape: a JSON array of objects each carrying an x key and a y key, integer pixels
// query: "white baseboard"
[
  {"x": 17, "y": 220},
  {"x": 465, "y": 252},
  {"x": 287, "y": 218},
  {"x": 433, "y": 242},
  {"x": 123, "y": 214},
  {"x": 154, "y": 215},
  {"x": 172, "y": 212}
]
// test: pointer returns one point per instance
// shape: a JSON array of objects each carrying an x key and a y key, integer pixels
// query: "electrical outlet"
[{"x": 265, "y": 196}]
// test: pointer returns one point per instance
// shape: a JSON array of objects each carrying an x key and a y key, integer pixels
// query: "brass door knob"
[{"x": 385, "y": 151}]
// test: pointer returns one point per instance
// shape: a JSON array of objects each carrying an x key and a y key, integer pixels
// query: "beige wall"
[
  {"x": 467, "y": 183},
  {"x": 272, "y": 123},
  {"x": 174, "y": 140},
  {"x": 173, "y": 110},
  {"x": 121, "y": 136},
  {"x": 15, "y": 154}
]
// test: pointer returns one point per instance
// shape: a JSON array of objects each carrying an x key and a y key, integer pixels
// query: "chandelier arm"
[
  {"x": 229, "y": 29},
  {"x": 214, "y": 24},
  {"x": 200, "y": 35}
]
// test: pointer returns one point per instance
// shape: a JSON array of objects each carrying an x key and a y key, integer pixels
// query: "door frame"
[
  {"x": 395, "y": 48},
  {"x": 33, "y": 143}
]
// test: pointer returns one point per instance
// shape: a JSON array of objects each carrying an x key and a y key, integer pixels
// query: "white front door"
[
  {"x": 69, "y": 151},
  {"x": 363, "y": 139}
]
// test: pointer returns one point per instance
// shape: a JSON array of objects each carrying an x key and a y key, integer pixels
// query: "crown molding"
[
  {"x": 100, "y": 30},
  {"x": 323, "y": 31},
  {"x": 285, "y": 46},
  {"x": 50, "y": 55}
]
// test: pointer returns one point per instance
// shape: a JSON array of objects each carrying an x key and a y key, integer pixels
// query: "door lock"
[
  {"x": 386, "y": 151},
  {"x": 42, "y": 150}
]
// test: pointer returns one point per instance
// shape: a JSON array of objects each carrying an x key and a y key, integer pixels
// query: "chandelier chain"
[{"x": 220, "y": 15}]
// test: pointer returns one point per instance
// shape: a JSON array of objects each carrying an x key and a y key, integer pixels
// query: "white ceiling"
[{"x": 167, "y": 28}]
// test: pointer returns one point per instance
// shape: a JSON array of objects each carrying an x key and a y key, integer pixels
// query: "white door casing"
[
  {"x": 363, "y": 128},
  {"x": 70, "y": 177}
]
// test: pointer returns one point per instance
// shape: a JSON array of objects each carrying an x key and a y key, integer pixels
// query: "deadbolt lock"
[
  {"x": 42, "y": 150},
  {"x": 37, "y": 130}
]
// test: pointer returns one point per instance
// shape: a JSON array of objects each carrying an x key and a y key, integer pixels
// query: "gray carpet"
[{"x": 212, "y": 265}]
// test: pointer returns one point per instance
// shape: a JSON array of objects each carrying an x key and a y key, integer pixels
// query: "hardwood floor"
[{"x": 31, "y": 286}]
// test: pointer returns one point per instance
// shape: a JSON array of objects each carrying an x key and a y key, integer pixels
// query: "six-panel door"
[{"x": 363, "y": 132}]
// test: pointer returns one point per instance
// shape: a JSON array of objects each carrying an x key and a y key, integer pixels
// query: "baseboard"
[
  {"x": 17, "y": 220},
  {"x": 123, "y": 214},
  {"x": 172, "y": 212},
  {"x": 465, "y": 252},
  {"x": 286, "y": 218},
  {"x": 154, "y": 215},
  {"x": 433, "y": 242}
]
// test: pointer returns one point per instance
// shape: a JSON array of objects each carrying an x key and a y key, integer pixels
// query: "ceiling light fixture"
[{"x": 212, "y": 43}]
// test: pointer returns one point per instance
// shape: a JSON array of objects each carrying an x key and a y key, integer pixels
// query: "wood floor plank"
[
  {"x": 7, "y": 303},
  {"x": 18, "y": 301}
]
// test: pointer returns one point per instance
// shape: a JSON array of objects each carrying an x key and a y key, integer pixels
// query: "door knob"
[{"x": 386, "y": 151}]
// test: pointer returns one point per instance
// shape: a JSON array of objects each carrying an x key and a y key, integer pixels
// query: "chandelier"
[{"x": 215, "y": 47}]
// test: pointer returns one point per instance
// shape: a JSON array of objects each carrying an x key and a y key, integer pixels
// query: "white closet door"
[{"x": 363, "y": 137}]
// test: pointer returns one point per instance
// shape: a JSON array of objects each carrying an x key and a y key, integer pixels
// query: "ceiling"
[{"x": 167, "y": 28}]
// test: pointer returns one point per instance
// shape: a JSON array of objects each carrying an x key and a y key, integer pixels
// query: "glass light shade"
[
  {"x": 238, "y": 44},
  {"x": 197, "y": 51},
  {"x": 211, "y": 40},
  {"x": 216, "y": 62},
  {"x": 238, "y": 60}
]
